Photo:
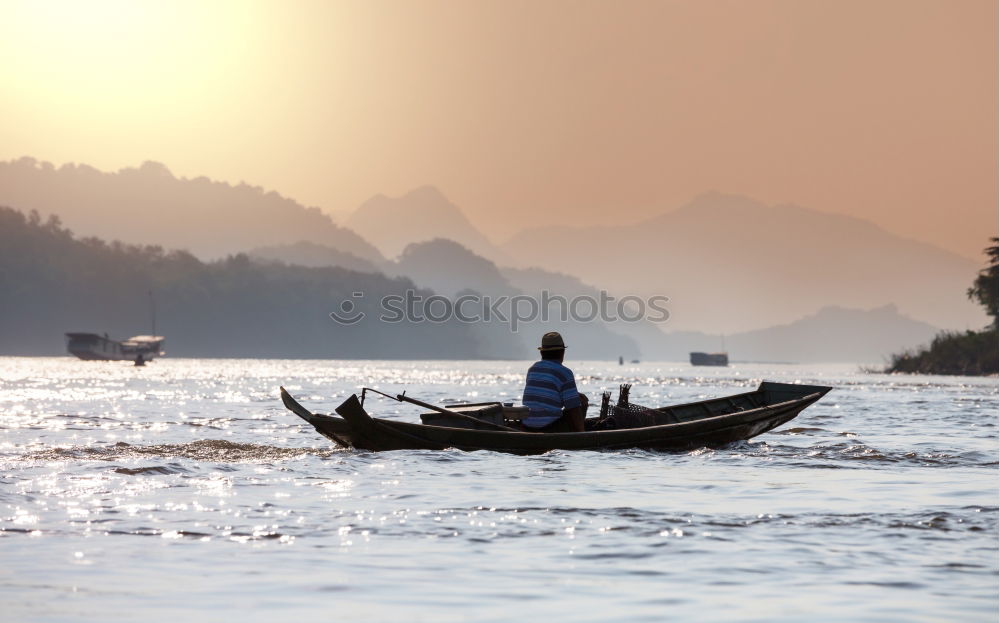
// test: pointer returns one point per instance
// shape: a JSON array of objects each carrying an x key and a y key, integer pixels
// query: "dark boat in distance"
[
  {"x": 94, "y": 347},
  {"x": 713, "y": 422},
  {"x": 709, "y": 359}
]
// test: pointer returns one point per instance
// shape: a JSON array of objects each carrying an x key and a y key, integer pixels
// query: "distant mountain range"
[
  {"x": 833, "y": 334},
  {"x": 729, "y": 263},
  {"x": 149, "y": 205}
]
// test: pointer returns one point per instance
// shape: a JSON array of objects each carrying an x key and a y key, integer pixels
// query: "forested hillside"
[
  {"x": 52, "y": 282},
  {"x": 150, "y": 205}
]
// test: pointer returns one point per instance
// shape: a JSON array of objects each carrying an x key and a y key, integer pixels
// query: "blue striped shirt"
[{"x": 548, "y": 390}]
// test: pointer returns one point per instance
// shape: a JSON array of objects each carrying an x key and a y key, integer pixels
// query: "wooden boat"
[{"x": 709, "y": 423}]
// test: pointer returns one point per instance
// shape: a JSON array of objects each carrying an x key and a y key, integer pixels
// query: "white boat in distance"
[{"x": 91, "y": 347}]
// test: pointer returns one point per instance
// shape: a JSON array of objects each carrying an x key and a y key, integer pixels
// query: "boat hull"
[
  {"x": 709, "y": 359},
  {"x": 94, "y": 347},
  {"x": 777, "y": 405}
]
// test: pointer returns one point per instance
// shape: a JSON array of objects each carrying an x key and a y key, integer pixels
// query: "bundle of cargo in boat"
[{"x": 625, "y": 414}]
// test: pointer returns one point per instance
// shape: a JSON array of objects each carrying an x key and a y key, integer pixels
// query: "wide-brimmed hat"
[{"x": 552, "y": 341}]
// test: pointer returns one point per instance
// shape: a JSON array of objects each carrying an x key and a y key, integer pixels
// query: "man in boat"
[{"x": 550, "y": 392}]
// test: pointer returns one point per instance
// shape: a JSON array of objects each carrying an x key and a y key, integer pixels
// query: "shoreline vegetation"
[{"x": 973, "y": 353}]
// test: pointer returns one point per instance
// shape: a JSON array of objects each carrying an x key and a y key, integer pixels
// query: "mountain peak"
[
  {"x": 429, "y": 192},
  {"x": 448, "y": 267},
  {"x": 422, "y": 214},
  {"x": 730, "y": 263},
  {"x": 155, "y": 168},
  {"x": 715, "y": 199}
]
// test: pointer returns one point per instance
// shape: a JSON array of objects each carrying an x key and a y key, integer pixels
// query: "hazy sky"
[{"x": 529, "y": 113}]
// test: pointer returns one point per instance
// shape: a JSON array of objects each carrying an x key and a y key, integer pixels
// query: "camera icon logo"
[{"x": 347, "y": 314}]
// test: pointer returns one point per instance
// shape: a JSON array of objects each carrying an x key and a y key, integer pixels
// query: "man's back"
[{"x": 549, "y": 388}]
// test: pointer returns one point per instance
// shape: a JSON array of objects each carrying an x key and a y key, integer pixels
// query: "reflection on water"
[{"x": 184, "y": 489}]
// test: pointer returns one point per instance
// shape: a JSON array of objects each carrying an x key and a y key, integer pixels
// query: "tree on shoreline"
[
  {"x": 984, "y": 288},
  {"x": 971, "y": 352}
]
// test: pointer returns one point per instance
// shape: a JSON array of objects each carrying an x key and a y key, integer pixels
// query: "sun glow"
[{"x": 118, "y": 64}]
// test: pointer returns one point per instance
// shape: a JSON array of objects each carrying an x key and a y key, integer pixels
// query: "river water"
[{"x": 185, "y": 491}]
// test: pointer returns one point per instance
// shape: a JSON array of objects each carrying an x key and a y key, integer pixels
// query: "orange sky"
[{"x": 529, "y": 113}]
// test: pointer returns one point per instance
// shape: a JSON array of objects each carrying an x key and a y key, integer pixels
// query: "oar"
[{"x": 420, "y": 403}]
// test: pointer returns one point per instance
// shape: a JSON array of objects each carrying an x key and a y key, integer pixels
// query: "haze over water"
[{"x": 185, "y": 490}]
